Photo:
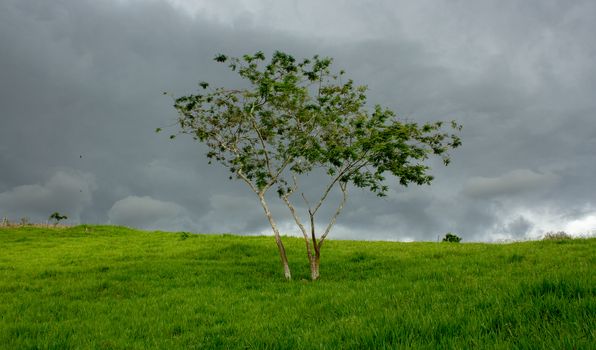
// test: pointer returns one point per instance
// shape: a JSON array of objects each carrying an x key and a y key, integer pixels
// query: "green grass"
[{"x": 103, "y": 287}]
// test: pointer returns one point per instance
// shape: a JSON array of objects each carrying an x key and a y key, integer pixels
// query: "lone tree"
[
  {"x": 450, "y": 237},
  {"x": 57, "y": 217},
  {"x": 299, "y": 116}
]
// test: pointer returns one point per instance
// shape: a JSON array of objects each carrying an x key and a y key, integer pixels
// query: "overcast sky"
[{"x": 81, "y": 85}]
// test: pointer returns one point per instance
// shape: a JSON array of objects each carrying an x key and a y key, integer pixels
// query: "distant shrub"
[
  {"x": 57, "y": 217},
  {"x": 450, "y": 237},
  {"x": 25, "y": 221},
  {"x": 556, "y": 236},
  {"x": 184, "y": 235}
]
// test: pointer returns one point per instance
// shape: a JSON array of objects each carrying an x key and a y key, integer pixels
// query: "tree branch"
[
  {"x": 261, "y": 140},
  {"x": 250, "y": 184},
  {"x": 339, "y": 175},
  {"x": 275, "y": 176},
  {"x": 344, "y": 189},
  {"x": 298, "y": 222}
]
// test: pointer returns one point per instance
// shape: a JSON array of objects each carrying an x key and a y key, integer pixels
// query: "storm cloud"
[
  {"x": 81, "y": 87},
  {"x": 146, "y": 212},
  {"x": 517, "y": 182},
  {"x": 65, "y": 192}
]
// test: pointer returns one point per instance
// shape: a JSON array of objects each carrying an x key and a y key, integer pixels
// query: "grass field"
[{"x": 104, "y": 287}]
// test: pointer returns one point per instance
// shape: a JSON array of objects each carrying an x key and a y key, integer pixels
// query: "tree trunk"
[
  {"x": 283, "y": 257},
  {"x": 315, "y": 261},
  {"x": 280, "y": 245}
]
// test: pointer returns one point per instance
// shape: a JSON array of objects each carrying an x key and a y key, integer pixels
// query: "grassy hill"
[{"x": 104, "y": 287}]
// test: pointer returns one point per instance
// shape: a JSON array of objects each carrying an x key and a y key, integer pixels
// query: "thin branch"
[
  {"x": 295, "y": 187},
  {"x": 312, "y": 233},
  {"x": 261, "y": 140},
  {"x": 305, "y": 201},
  {"x": 250, "y": 184},
  {"x": 349, "y": 168},
  {"x": 326, "y": 192},
  {"x": 344, "y": 189},
  {"x": 330, "y": 186},
  {"x": 298, "y": 222},
  {"x": 275, "y": 176}
]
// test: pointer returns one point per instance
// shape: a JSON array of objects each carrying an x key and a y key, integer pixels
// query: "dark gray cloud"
[{"x": 80, "y": 96}]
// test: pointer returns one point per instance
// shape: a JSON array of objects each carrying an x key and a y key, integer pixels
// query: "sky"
[{"x": 81, "y": 85}]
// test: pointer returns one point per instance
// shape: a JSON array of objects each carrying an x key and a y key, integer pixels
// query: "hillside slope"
[{"x": 116, "y": 288}]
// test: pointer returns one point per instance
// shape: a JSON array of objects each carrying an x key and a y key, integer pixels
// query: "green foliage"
[
  {"x": 452, "y": 238},
  {"x": 104, "y": 287},
  {"x": 298, "y": 115}
]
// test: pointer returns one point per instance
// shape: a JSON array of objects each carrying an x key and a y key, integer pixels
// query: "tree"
[
  {"x": 299, "y": 116},
  {"x": 57, "y": 217},
  {"x": 450, "y": 237}
]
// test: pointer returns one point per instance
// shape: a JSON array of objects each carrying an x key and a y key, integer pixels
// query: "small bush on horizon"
[
  {"x": 57, "y": 217},
  {"x": 25, "y": 221},
  {"x": 452, "y": 238},
  {"x": 556, "y": 236},
  {"x": 184, "y": 235}
]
